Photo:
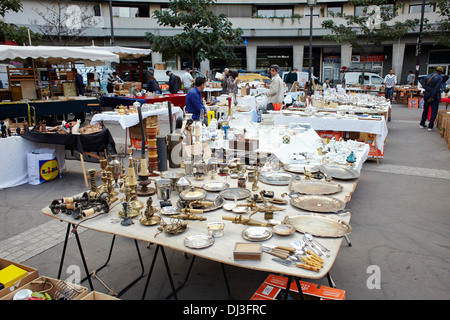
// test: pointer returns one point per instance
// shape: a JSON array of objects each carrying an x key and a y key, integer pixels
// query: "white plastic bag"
[{"x": 42, "y": 165}]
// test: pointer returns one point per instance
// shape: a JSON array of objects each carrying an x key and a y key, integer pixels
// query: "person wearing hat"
[
  {"x": 174, "y": 85},
  {"x": 276, "y": 92},
  {"x": 431, "y": 97}
]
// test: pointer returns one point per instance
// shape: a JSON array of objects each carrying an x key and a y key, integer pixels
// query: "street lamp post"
[{"x": 311, "y": 4}]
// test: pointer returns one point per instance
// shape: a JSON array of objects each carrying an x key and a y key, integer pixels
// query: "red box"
[
  {"x": 274, "y": 285},
  {"x": 337, "y": 135},
  {"x": 137, "y": 143}
]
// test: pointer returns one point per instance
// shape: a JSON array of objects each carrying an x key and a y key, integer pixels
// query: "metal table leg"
[{"x": 167, "y": 269}]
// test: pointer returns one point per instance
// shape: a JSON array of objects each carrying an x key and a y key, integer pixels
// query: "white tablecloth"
[
  {"x": 130, "y": 120},
  {"x": 377, "y": 127},
  {"x": 14, "y": 169}
]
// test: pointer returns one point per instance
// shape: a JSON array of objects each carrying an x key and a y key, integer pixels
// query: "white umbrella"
[
  {"x": 56, "y": 54},
  {"x": 123, "y": 52}
]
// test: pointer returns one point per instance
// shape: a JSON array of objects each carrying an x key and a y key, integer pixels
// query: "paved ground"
[{"x": 400, "y": 220}]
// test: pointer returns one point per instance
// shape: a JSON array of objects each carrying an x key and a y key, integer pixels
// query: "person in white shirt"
[
  {"x": 389, "y": 83},
  {"x": 187, "y": 80},
  {"x": 276, "y": 92}
]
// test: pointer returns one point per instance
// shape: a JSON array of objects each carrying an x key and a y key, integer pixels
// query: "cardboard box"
[
  {"x": 52, "y": 285},
  {"x": 95, "y": 295},
  {"x": 274, "y": 288},
  {"x": 31, "y": 275},
  {"x": 369, "y": 139},
  {"x": 247, "y": 144},
  {"x": 416, "y": 103}
]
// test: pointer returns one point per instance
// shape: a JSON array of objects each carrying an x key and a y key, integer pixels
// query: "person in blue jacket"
[
  {"x": 194, "y": 99},
  {"x": 431, "y": 97}
]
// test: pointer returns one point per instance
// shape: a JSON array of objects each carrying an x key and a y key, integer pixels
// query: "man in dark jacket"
[
  {"x": 431, "y": 97},
  {"x": 291, "y": 77},
  {"x": 174, "y": 85}
]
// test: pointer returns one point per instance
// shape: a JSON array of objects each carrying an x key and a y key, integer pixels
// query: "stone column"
[
  {"x": 251, "y": 51},
  {"x": 297, "y": 61}
]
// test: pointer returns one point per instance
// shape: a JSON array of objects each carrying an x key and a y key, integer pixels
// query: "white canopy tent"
[
  {"x": 123, "y": 52},
  {"x": 57, "y": 54}
]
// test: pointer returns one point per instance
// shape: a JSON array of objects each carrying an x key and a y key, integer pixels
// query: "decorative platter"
[
  {"x": 341, "y": 172},
  {"x": 315, "y": 187},
  {"x": 235, "y": 193},
  {"x": 215, "y": 186},
  {"x": 276, "y": 178},
  {"x": 257, "y": 234},
  {"x": 300, "y": 168},
  {"x": 199, "y": 241},
  {"x": 216, "y": 199},
  {"x": 169, "y": 211},
  {"x": 319, "y": 225},
  {"x": 318, "y": 203}
]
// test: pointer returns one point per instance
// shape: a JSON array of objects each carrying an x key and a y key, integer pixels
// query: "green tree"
[
  {"x": 370, "y": 29},
  {"x": 12, "y": 32},
  {"x": 441, "y": 32},
  {"x": 204, "y": 35}
]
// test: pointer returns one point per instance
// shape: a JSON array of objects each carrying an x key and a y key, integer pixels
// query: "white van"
[
  {"x": 369, "y": 79},
  {"x": 163, "y": 78}
]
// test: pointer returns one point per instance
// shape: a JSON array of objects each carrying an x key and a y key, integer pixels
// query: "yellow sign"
[{"x": 49, "y": 170}]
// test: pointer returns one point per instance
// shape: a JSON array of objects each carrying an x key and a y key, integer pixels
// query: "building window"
[
  {"x": 361, "y": 11},
  {"x": 131, "y": 12},
  {"x": 232, "y": 11},
  {"x": 417, "y": 8},
  {"x": 274, "y": 12},
  {"x": 334, "y": 9},
  {"x": 97, "y": 11}
]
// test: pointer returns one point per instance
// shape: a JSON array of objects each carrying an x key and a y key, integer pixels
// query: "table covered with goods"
[{"x": 237, "y": 200}]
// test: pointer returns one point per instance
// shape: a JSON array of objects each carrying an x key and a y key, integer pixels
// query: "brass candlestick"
[
  {"x": 143, "y": 189},
  {"x": 149, "y": 218}
]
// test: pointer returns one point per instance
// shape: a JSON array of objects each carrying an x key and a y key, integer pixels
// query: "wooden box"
[
  {"x": 246, "y": 144},
  {"x": 31, "y": 275},
  {"x": 247, "y": 251}
]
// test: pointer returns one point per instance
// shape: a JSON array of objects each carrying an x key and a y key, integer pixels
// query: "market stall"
[
  {"x": 177, "y": 99},
  {"x": 36, "y": 108}
]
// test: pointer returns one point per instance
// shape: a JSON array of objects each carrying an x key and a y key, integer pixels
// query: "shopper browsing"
[
  {"x": 389, "y": 83},
  {"x": 187, "y": 80},
  {"x": 194, "y": 99},
  {"x": 432, "y": 84}
]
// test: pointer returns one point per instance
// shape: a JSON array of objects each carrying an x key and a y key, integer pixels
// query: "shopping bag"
[{"x": 42, "y": 166}]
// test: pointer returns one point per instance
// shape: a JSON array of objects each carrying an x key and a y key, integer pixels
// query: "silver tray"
[
  {"x": 276, "y": 178},
  {"x": 257, "y": 234},
  {"x": 199, "y": 241},
  {"x": 218, "y": 203},
  {"x": 238, "y": 193},
  {"x": 341, "y": 172},
  {"x": 315, "y": 187},
  {"x": 318, "y": 203},
  {"x": 319, "y": 225},
  {"x": 300, "y": 168},
  {"x": 215, "y": 186},
  {"x": 169, "y": 211}
]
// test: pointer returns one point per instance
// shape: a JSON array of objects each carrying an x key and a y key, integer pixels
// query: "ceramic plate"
[{"x": 199, "y": 241}]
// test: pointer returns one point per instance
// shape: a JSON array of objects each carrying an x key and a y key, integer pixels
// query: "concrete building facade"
[{"x": 273, "y": 33}]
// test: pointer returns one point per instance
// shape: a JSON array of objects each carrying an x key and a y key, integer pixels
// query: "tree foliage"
[
  {"x": 204, "y": 35},
  {"x": 371, "y": 29},
  {"x": 12, "y": 32},
  {"x": 441, "y": 31}
]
